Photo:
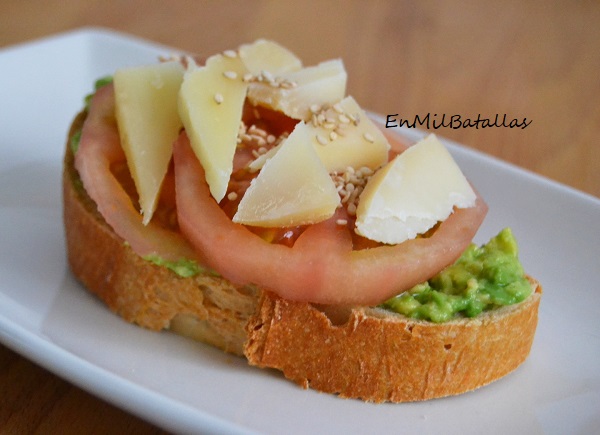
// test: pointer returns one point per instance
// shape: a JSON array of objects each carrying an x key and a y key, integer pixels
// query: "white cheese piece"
[
  {"x": 344, "y": 136},
  {"x": 211, "y": 102},
  {"x": 412, "y": 193},
  {"x": 265, "y": 55},
  {"x": 146, "y": 112},
  {"x": 293, "y": 187},
  {"x": 295, "y": 92}
]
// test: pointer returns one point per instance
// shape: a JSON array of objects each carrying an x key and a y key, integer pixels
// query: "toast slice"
[{"x": 355, "y": 352}]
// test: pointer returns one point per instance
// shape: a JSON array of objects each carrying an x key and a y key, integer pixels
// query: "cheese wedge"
[
  {"x": 344, "y": 136},
  {"x": 265, "y": 55},
  {"x": 211, "y": 102},
  {"x": 146, "y": 112},
  {"x": 293, "y": 187},
  {"x": 413, "y": 192},
  {"x": 295, "y": 92}
]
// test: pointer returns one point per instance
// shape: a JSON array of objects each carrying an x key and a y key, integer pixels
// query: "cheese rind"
[
  {"x": 293, "y": 187},
  {"x": 211, "y": 102},
  {"x": 413, "y": 192},
  {"x": 345, "y": 136},
  {"x": 146, "y": 113},
  {"x": 324, "y": 83}
]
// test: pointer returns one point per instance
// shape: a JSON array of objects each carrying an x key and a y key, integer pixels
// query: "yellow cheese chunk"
[
  {"x": 211, "y": 102},
  {"x": 146, "y": 112},
  {"x": 264, "y": 55},
  {"x": 413, "y": 192},
  {"x": 295, "y": 92},
  {"x": 293, "y": 187},
  {"x": 344, "y": 136}
]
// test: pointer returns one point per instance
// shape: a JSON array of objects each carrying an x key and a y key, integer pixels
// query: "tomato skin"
[{"x": 321, "y": 266}]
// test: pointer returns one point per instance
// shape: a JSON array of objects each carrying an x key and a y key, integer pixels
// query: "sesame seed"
[
  {"x": 247, "y": 77},
  {"x": 315, "y": 108},
  {"x": 338, "y": 108},
  {"x": 267, "y": 75},
  {"x": 343, "y": 119},
  {"x": 369, "y": 137},
  {"x": 232, "y": 196},
  {"x": 218, "y": 98},
  {"x": 230, "y": 53},
  {"x": 321, "y": 139},
  {"x": 351, "y": 209},
  {"x": 333, "y": 135},
  {"x": 341, "y": 222},
  {"x": 230, "y": 74}
]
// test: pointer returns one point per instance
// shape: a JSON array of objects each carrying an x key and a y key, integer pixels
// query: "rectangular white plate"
[{"x": 185, "y": 386}]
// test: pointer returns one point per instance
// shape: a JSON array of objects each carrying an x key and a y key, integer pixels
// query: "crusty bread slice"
[
  {"x": 377, "y": 355},
  {"x": 365, "y": 353}
]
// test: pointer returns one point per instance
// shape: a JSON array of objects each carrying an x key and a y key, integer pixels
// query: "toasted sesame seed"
[
  {"x": 267, "y": 75},
  {"x": 351, "y": 209},
  {"x": 315, "y": 108},
  {"x": 343, "y": 118},
  {"x": 247, "y": 77},
  {"x": 218, "y": 98},
  {"x": 322, "y": 140},
  {"x": 232, "y": 196},
  {"x": 333, "y": 135},
  {"x": 230, "y": 74},
  {"x": 338, "y": 108}
]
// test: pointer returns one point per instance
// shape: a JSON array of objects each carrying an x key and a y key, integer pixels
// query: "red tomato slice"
[{"x": 321, "y": 266}]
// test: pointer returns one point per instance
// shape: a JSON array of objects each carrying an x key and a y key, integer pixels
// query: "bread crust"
[
  {"x": 365, "y": 353},
  {"x": 379, "y": 356},
  {"x": 205, "y": 307}
]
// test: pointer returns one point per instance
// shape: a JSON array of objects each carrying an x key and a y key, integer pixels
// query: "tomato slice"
[
  {"x": 321, "y": 266},
  {"x": 99, "y": 154}
]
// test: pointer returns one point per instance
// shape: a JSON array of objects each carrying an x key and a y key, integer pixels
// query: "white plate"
[{"x": 185, "y": 386}]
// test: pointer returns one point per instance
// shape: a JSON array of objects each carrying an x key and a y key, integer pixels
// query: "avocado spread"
[
  {"x": 482, "y": 279},
  {"x": 184, "y": 268}
]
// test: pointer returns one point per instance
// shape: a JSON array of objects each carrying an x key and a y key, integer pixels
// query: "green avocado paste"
[
  {"x": 184, "y": 268},
  {"x": 482, "y": 279}
]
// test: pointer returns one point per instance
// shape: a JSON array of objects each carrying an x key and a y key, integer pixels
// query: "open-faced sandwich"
[{"x": 247, "y": 202}]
